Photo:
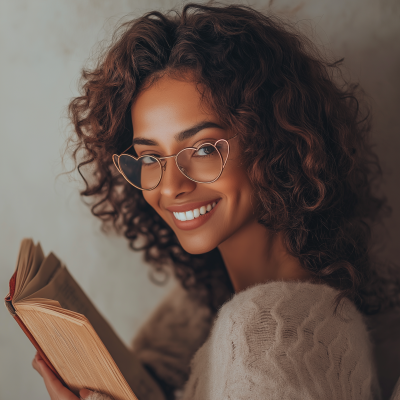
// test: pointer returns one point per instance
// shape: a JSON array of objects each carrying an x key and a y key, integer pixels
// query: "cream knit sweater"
[{"x": 279, "y": 340}]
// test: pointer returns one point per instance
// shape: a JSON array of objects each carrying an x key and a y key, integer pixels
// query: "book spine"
[
  {"x": 13, "y": 312},
  {"x": 10, "y": 307}
]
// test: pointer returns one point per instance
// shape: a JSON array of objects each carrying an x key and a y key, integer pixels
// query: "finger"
[
  {"x": 35, "y": 364},
  {"x": 55, "y": 388}
]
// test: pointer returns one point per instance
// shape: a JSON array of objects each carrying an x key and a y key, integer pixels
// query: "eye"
[
  {"x": 204, "y": 151},
  {"x": 148, "y": 159}
]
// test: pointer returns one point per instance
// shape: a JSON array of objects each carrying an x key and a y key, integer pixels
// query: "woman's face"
[{"x": 165, "y": 115}]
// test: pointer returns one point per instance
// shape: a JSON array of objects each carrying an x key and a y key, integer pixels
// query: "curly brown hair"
[{"x": 303, "y": 133}]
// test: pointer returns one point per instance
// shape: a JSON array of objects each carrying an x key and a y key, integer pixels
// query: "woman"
[{"x": 225, "y": 147}]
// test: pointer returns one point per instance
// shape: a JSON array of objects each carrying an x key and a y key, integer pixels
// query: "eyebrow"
[{"x": 181, "y": 136}]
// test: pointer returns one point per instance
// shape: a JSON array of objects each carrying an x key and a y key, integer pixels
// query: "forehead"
[{"x": 168, "y": 106}]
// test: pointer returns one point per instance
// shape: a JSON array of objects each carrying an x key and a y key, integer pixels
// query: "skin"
[
  {"x": 252, "y": 254},
  {"x": 171, "y": 106},
  {"x": 55, "y": 388}
]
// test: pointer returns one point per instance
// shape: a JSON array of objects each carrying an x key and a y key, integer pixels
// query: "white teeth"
[
  {"x": 182, "y": 216},
  {"x": 192, "y": 214}
]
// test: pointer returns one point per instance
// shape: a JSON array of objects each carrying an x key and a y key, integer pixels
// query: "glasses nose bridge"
[{"x": 163, "y": 161}]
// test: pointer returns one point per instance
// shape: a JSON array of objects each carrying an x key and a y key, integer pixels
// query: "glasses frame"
[{"x": 159, "y": 159}]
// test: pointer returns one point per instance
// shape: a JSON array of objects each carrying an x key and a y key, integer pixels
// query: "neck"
[{"x": 256, "y": 255}]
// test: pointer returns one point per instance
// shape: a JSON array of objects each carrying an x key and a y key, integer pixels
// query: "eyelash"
[
  {"x": 197, "y": 144},
  {"x": 151, "y": 154}
]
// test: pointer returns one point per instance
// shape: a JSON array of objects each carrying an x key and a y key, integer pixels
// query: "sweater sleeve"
[
  {"x": 281, "y": 340},
  {"x": 167, "y": 341}
]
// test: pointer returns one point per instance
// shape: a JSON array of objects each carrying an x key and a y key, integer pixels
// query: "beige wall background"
[{"x": 43, "y": 45}]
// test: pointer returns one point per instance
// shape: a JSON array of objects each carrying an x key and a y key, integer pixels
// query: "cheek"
[
  {"x": 153, "y": 198},
  {"x": 238, "y": 189}
]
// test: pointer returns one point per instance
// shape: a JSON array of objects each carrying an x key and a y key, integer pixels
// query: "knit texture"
[
  {"x": 281, "y": 340},
  {"x": 97, "y": 396}
]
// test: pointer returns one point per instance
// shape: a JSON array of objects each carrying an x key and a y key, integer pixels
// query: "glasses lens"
[
  {"x": 144, "y": 173},
  {"x": 205, "y": 163}
]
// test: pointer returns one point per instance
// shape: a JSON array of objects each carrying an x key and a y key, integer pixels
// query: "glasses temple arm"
[
  {"x": 233, "y": 137},
  {"x": 127, "y": 149}
]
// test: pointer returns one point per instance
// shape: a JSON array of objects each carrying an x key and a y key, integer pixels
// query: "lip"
[
  {"x": 194, "y": 223},
  {"x": 191, "y": 206}
]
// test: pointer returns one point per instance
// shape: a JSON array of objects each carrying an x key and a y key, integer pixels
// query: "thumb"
[{"x": 84, "y": 393}]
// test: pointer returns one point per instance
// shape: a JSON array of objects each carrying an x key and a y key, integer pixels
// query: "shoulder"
[
  {"x": 292, "y": 318},
  {"x": 292, "y": 326},
  {"x": 268, "y": 295},
  {"x": 282, "y": 305},
  {"x": 291, "y": 329},
  {"x": 284, "y": 340}
]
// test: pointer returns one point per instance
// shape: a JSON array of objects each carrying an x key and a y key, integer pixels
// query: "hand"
[{"x": 56, "y": 389}]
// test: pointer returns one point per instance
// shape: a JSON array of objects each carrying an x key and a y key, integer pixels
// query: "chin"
[{"x": 197, "y": 245}]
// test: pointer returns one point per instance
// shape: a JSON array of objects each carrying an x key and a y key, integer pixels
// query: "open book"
[{"x": 70, "y": 334}]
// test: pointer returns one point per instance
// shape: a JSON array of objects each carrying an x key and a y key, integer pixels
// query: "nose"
[{"x": 173, "y": 182}]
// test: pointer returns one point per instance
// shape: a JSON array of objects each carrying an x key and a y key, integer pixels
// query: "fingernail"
[{"x": 85, "y": 393}]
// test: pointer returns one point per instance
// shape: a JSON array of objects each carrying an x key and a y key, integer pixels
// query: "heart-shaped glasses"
[{"x": 202, "y": 164}]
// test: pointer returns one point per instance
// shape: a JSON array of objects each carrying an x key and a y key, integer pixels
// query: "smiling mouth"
[{"x": 195, "y": 213}]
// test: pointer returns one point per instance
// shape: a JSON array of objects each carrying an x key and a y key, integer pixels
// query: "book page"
[
  {"x": 43, "y": 303},
  {"x": 24, "y": 263},
  {"x": 64, "y": 289},
  {"x": 38, "y": 257},
  {"x": 45, "y": 273},
  {"x": 74, "y": 349}
]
